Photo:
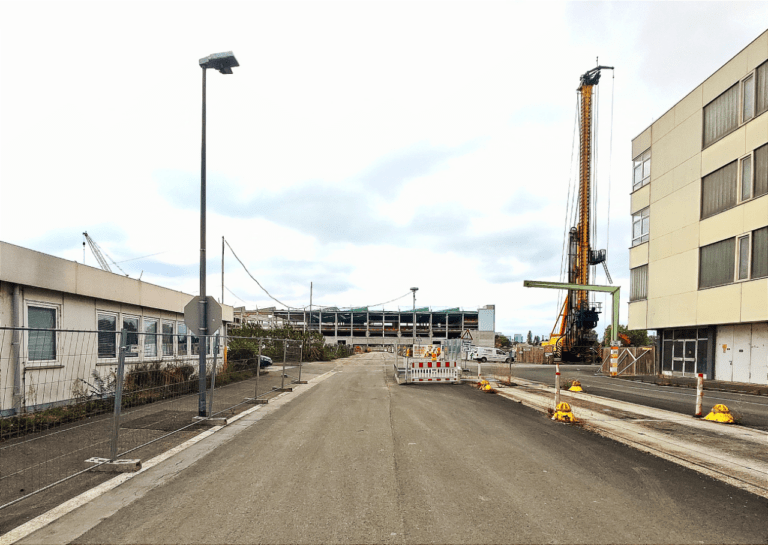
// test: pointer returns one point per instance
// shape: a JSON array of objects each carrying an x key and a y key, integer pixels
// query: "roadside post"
[
  {"x": 557, "y": 384},
  {"x": 614, "y": 358},
  {"x": 699, "y": 393}
]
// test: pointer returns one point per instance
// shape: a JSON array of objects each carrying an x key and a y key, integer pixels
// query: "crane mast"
[{"x": 575, "y": 337}]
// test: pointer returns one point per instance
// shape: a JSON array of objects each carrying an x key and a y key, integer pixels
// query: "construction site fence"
[
  {"x": 73, "y": 401},
  {"x": 632, "y": 361},
  {"x": 533, "y": 354}
]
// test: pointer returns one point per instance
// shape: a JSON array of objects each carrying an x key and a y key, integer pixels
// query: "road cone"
[
  {"x": 575, "y": 386},
  {"x": 720, "y": 413},
  {"x": 563, "y": 413}
]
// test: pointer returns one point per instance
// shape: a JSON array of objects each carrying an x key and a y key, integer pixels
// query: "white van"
[{"x": 491, "y": 354}]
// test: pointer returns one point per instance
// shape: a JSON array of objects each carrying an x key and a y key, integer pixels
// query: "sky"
[{"x": 364, "y": 147}]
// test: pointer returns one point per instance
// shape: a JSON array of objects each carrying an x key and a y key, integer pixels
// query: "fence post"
[
  {"x": 285, "y": 351},
  {"x": 213, "y": 375},
  {"x": 258, "y": 371},
  {"x": 301, "y": 359},
  {"x": 118, "y": 396}
]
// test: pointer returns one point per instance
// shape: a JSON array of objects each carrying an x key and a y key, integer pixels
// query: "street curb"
[
  {"x": 733, "y": 470},
  {"x": 41, "y": 521}
]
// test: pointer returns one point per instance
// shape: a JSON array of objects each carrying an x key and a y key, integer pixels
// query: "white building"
[
  {"x": 84, "y": 308},
  {"x": 699, "y": 256}
]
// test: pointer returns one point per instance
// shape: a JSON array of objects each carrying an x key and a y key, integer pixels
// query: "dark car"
[{"x": 265, "y": 361}]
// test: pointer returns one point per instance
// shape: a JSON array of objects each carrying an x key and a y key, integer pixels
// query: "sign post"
[{"x": 202, "y": 316}]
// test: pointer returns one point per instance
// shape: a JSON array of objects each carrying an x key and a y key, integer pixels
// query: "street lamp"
[
  {"x": 414, "y": 290},
  {"x": 223, "y": 62}
]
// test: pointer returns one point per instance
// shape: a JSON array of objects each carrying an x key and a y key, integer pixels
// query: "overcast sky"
[{"x": 366, "y": 147}]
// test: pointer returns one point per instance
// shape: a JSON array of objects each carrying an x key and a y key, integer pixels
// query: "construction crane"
[
  {"x": 99, "y": 255},
  {"x": 573, "y": 336}
]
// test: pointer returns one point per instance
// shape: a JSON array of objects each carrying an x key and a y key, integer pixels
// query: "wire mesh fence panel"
[
  {"x": 58, "y": 391},
  {"x": 56, "y": 404}
]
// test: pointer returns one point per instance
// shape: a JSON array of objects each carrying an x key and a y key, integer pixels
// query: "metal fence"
[{"x": 71, "y": 401}]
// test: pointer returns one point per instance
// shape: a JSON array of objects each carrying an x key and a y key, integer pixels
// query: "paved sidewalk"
[{"x": 730, "y": 453}]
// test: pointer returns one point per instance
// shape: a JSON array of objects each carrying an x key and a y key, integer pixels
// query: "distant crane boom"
[{"x": 99, "y": 255}]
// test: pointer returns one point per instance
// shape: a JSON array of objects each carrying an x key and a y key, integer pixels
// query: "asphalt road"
[
  {"x": 360, "y": 459},
  {"x": 750, "y": 410}
]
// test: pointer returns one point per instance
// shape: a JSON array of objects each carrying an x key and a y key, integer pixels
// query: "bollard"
[
  {"x": 614, "y": 358},
  {"x": 699, "y": 393},
  {"x": 557, "y": 384},
  {"x": 479, "y": 369}
]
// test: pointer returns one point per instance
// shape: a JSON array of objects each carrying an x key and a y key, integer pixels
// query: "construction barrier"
[{"x": 432, "y": 371}]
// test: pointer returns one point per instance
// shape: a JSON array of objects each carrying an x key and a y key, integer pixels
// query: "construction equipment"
[
  {"x": 573, "y": 335},
  {"x": 99, "y": 254}
]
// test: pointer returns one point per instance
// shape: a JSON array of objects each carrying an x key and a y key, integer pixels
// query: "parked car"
[
  {"x": 492, "y": 354},
  {"x": 265, "y": 362}
]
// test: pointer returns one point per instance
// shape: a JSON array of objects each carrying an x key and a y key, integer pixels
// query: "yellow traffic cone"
[
  {"x": 563, "y": 413},
  {"x": 720, "y": 413}
]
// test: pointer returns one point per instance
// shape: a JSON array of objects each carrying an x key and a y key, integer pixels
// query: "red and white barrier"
[{"x": 432, "y": 371}]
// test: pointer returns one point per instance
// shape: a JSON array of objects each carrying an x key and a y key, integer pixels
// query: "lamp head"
[{"x": 223, "y": 62}]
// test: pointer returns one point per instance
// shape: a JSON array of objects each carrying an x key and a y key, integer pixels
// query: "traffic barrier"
[
  {"x": 563, "y": 413},
  {"x": 720, "y": 413},
  {"x": 432, "y": 371}
]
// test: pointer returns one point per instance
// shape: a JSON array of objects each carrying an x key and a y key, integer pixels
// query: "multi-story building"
[
  {"x": 366, "y": 327},
  {"x": 699, "y": 205}
]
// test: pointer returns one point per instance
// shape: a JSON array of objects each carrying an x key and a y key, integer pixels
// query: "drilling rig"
[{"x": 573, "y": 336}]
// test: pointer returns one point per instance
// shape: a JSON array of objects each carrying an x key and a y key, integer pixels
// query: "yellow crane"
[{"x": 573, "y": 335}]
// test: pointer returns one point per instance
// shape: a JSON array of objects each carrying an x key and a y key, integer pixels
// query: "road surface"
[{"x": 360, "y": 459}]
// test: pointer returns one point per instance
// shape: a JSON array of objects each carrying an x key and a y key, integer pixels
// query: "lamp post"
[
  {"x": 414, "y": 290},
  {"x": 223, "y": 62}
]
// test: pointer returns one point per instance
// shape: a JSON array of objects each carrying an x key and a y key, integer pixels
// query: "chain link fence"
[{"x": 72, "y": 401}]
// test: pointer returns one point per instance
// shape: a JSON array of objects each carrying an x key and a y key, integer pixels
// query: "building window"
[
  {"x": 641, "y": 173},
  {"x": 721, "y": 116},
  {"x": 182, "y": 339},
  {"x": 150, "y": 338},
  {"x": 716, "y": 263},
  {"x": 761, "y": 88},
  {"x": 42, "y": 344},
  {"x": 760, "y": 253},
  {"x": 760, "y": 171},
  {"x": 746, "y": 178},
  {"x": 638, "y": 283},
  {"x": 747, "y": 98},
  {"x": 641, "y": 223},
  {"x": 743, "y": 268},
  {"x": 167, "y": 338},
  {"x": 718, "y": 190},
  {"x": 107, "y": 324},
  {"x": 131, "y": 326}
]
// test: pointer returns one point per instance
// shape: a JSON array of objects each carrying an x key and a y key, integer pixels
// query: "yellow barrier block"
[
  {"x": 575, "y": 387},
  {"x": 720, "y": 413},
  {"x": 563, "y": 413}
]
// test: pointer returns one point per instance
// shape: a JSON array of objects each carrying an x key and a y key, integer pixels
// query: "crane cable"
[{"x": 288, "y": 306}]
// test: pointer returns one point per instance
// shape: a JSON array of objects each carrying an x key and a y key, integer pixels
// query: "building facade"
[
  {"x": 59, "y": 323},
  {"x": 699, "y": 205},
  {"x": 366, "y": 327}
]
